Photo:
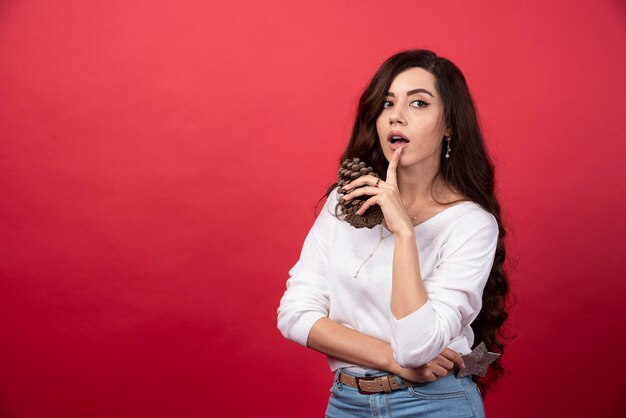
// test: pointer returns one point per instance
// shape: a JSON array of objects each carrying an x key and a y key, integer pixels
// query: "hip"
[{"x": 447, "y": 397}]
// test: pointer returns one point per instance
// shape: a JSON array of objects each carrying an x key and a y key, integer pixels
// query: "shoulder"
[
  {"x": 472, "y": 220},
  {"x": 478, "y": 214},
  {"x": 327, "y": 216},
  {"x": 331, "y": 201},
  {"x": 469, "y": 236}
]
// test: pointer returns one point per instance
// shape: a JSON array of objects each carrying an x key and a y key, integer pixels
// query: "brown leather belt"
[{"x": 369, "y": 385}]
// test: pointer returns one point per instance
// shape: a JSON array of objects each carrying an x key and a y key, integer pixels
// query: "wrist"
[
  {"x": 390, "y": 363},
  {"x": 405, "y": 234}
]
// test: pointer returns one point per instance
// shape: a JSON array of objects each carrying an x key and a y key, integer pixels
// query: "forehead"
[{"x": 413, "y": 78}]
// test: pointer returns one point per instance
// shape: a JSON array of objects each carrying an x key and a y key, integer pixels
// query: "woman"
[{"x": 394, "y": 307}]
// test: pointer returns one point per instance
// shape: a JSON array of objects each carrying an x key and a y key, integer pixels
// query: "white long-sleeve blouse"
[{"x": 456, "y": 252}]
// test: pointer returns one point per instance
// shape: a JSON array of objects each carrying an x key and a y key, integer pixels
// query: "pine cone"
[{"x": 348, "y": 171}]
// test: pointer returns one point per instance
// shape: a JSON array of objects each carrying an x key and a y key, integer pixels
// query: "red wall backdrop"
[{"x": 161, "y": 160}]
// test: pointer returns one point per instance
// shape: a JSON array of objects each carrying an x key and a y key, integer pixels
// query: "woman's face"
[{"x": 412, "y": 111}]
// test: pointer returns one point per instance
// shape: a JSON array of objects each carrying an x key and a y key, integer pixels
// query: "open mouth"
[{"x": 397, "y": 138}]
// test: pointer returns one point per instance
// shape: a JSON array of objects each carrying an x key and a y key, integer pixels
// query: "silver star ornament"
[{"x": 477, "y": 361}]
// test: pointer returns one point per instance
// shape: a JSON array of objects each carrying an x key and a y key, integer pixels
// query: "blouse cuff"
[
  {"x": 416, "y": 326},
  {"x": 303, "y": 326},
  {"x": 411, "y": 336}
]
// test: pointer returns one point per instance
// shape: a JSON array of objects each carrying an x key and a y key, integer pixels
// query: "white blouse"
[{"x": 456, "y": 252}]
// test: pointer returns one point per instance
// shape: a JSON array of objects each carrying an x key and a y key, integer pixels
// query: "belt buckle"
[{"x": 357, "y": 379}]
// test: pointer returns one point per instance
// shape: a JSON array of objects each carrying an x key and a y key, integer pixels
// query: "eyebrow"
[{"x": 414, "y": 91}]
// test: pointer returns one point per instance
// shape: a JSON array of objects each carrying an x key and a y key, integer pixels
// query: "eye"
[
  {"x": 419, "y": 103},
  {"x": 387, "y": 104}
]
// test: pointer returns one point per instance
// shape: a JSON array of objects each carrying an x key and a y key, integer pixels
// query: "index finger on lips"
[{"x": 393, "y": 166}]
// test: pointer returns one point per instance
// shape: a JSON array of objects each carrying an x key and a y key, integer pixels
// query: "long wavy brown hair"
[{"x": 469, "y": 170}]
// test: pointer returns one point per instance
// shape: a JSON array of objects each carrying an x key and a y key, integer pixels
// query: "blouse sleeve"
[
  {"x": 454, "y": 287},
  {"x": 306, "y": 299}
]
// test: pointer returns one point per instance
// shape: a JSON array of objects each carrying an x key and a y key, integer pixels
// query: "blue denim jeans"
[{"x": 447, "y": 397}]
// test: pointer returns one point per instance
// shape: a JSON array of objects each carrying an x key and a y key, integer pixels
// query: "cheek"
[
  {"x": 427, "y": 124},
  {"x": 430, "y": 127}
]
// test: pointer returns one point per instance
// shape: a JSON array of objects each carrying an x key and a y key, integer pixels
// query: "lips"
[{"x": 397, "y": 140}]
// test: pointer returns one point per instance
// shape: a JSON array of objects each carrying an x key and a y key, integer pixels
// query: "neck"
[{"x": 415, "y": 184}]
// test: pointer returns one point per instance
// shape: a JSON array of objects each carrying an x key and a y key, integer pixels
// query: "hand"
[
  {"x": 434, "y": 369},
  {"x": 386, "y": 195}
]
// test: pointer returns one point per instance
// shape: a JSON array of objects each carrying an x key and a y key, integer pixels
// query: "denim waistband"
[{"x": 366, "y": 372}]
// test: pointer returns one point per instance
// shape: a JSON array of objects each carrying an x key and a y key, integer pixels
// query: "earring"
[{"x": 448, "y": 150}]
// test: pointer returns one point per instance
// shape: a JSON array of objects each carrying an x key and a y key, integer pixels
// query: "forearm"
[
  {"x": 336, "y": 340},
  {"x": 407, "y": 289},
  {"x": 333, "y": 339}
]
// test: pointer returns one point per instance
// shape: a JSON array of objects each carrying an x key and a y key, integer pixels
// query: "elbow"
[
  {"x": 282, "y": 327},
  {"x": 296, "y": 326},
  {"x": 415, "y": 353},
  {"x": 423, "y": 335},
  {"x": 287, "y": 325},
  {"x": 410, "y": 359}
]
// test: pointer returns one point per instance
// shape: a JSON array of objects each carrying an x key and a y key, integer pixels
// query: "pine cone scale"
[{"x": 350, "y": 170}]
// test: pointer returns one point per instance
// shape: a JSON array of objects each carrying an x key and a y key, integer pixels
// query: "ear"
[{"x": 448, "y": 132}]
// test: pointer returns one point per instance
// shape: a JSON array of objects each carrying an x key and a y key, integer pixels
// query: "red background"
[{"x": 161, "y": 160}]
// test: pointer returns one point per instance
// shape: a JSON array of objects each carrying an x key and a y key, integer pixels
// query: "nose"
[{"x": 396, "y": 116}]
